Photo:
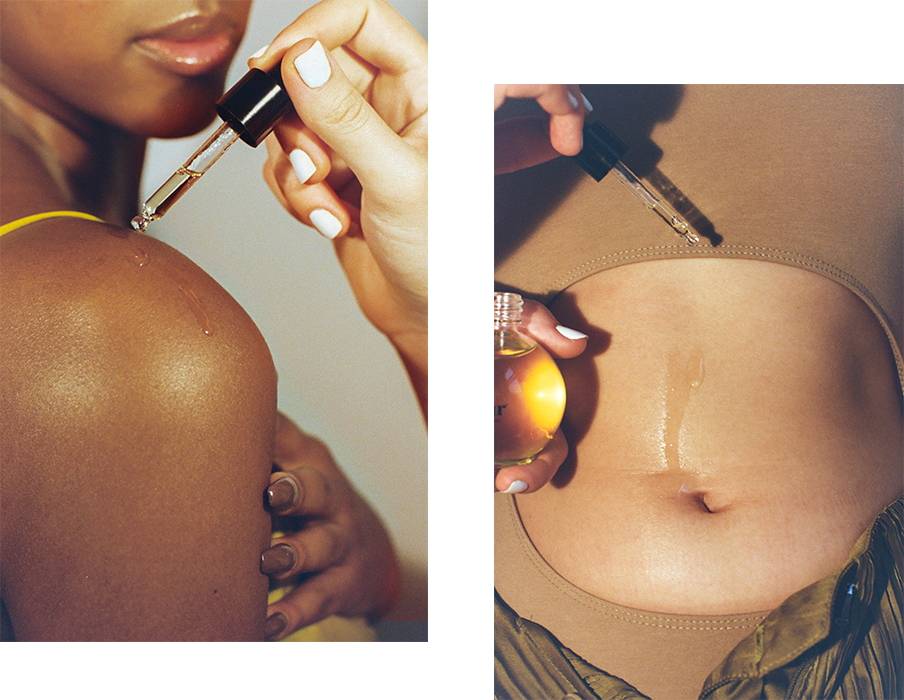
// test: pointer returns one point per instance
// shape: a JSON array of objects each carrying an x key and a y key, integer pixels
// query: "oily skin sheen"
[{"x": 792, "y": 425}]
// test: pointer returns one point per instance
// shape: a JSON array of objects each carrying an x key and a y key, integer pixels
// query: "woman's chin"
[{"x": 175, "y": 126}]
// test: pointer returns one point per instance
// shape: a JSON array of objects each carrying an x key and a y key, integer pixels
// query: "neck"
[{"x": 95, "y": 167}]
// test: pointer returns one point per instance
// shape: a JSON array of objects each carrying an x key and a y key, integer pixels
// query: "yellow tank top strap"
[{"x": 25, "y": 220}]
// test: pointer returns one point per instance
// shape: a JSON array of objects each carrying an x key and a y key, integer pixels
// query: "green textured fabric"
[
  {"x": 532, "y": 665},
  {"x": 838, "y": 638}
]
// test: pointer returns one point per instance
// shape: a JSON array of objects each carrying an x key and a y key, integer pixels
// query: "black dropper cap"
[
  {"x": 602, "y": 150},
  {"x": 254, "y": 104}
]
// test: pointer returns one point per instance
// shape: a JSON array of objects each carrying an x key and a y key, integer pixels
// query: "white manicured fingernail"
[
  {"x": 570, "y": 333},
  {"x": 516, "y": 487},
  {"x": 260, "y": 52},
  {"x": 327, "y": 224},
  {"x": 587, "y": 105},
  {"x": 572, "y": 100},
  {"x": 302, "y": 165},
  {"x": 313, "y": 66}
]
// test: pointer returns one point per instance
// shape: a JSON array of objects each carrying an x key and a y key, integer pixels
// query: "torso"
[{"x": 734, "y": 426}]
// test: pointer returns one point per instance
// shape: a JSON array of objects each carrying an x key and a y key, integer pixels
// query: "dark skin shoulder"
[{"x": 137, "y": 412}]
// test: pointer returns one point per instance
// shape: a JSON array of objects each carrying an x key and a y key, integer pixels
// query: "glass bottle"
[{"x": 529, "y": 389}]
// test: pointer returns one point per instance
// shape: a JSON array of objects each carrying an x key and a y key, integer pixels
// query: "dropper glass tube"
[
  {"x": 633, "y": 183},
  {"x": 602, "y": 153},
  {"x": 178, "y": 184},
  {"x": 249, "y": 110}
]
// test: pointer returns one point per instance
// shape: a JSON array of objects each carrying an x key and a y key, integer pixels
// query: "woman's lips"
[{"x": 192, "y": 45}]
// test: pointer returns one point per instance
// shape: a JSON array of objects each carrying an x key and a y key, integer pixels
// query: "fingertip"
[
  {"x": 259, "y": 53},
  {"x": 570, "y": 333},
  {"x": 518, "y": 479},
  {"x": 566, "y": 133},
  {"x": 302, "y": 164},
  {"x": 541, "y": 325},
  {"x": 283, "y": 493},
  {"x": 279, "y": 561},
  {"x": 517, "y": 486},
  {"x": 574, "y": 342},
  {"x": 326, "y": 223},
  {"x": 311, "y": 63},
  {"x": 275, "y": 627}
]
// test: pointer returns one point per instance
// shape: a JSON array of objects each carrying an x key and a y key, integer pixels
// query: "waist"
[{"x": 726, "y": 449}]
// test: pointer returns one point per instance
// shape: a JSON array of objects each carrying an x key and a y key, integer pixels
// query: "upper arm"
[{"x": 135, "y": 446}]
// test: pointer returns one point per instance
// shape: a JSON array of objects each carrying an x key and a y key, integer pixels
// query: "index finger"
[{"x": 374, "y": 30}]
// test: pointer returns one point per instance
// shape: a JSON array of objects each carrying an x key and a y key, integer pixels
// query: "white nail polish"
[
  {"x": 327, "y": 224},
  {"x": 516, "y": 487},
  {"x": 313, "y": 66},
  {"x": 570, "y": 333},
  {"x": 572, "y": 100},
  {"x": 587, "y": 105},
  {"x": 302, "y": 165},
  {"x": 260, "y": 52}
]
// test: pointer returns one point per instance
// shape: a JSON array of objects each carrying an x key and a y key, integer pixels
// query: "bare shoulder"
[
  {"x": 97, "y": 301},
  {"x": 138, "y": 410}
]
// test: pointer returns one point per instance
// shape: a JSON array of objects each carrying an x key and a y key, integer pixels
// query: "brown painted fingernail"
[
  {"x": 278, "y": 560},
  {"x": 274, "y": 626},
  {"x": 283, "y": 493}
]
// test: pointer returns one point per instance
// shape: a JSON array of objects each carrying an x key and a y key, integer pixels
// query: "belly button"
[{"x": 695, "y": 496}]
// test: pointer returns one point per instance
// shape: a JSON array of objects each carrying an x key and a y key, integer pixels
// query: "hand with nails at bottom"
[
  {"x": 352, "y": 162},
  {"x": 335, "y": 551},
  {"x": 539, "y": 323},
  {"x": 525, "y": 141}
]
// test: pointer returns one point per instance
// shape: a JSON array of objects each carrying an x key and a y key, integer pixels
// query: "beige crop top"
[{"x": 809, "y": 176}]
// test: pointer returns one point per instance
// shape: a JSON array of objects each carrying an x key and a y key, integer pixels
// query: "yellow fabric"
[{"x": 25, "y": 220}]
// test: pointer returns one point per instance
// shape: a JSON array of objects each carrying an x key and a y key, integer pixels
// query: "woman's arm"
[{"x": 137, "y": 418}]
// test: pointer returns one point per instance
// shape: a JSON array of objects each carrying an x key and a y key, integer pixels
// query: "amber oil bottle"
[{"x": 530, "y": 391}]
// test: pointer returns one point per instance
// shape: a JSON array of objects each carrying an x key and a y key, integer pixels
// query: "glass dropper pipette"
[
  {"x": 249, "y": 111},
  {"x": 602, "y": 153}
]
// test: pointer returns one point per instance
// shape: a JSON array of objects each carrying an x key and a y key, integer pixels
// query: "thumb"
[
  {"x": 333, "y": 109},
  {"x": 542, "y": 326}
]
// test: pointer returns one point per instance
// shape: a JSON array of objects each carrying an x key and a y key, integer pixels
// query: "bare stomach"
[{"x": 734, "y": 426}]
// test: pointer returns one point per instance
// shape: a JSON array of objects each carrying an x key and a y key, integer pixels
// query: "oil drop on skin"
[
  {"x": 684, "y": 376},
  {"x": 529, "y": 389}
]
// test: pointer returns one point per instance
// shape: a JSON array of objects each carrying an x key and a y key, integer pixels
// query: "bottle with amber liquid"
[{"x": 530, "y": 391}]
